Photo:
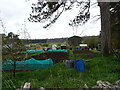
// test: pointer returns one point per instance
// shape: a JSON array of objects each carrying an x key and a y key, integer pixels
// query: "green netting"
[
  {"x": 35, "y": 51},
  {"x": 30, "y": 64},
  {"x": 57, "y": 50}
]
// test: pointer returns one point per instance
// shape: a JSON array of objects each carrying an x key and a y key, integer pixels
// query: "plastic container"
[
  {"x": 69, "y": 63},
  {"x": 78, "y": 48},
  {"x": 79, "y": 65}
]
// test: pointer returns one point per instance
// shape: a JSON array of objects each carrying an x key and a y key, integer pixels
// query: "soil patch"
[
  {"x": 85, "y": 53},
  {"x": 55, "y": 56}
]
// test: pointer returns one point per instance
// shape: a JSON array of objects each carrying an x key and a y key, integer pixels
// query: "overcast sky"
[{"x": 14, "y": 12}]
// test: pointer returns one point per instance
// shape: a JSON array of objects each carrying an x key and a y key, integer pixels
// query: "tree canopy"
[
  {"x": 11, "y": 45},
  {"x": 51, "y": 11}
]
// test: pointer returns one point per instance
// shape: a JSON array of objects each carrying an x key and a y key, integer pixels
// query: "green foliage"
[
  {"x": 45, "y": 44},
  {"x": 51, "y": 5},
  {"x": 115, "y": 36},
  {"x": 32, "y": 47},
  {"x": 92, "y": 41},
  {"x": 12, "y": 46},
  {"x": 99, "y": 68},
  {"x": 115, "y": 24}
]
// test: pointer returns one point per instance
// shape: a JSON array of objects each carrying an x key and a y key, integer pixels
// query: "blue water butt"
[
  {"x": 79, "y": 65},
  {"x": 79, "y": 48}
]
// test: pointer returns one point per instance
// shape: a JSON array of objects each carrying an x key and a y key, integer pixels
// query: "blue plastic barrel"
[
  {"x": 79, "y": 65},
  {"x": 79, "y": 48}
]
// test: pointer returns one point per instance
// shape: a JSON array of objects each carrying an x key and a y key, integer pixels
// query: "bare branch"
[{"x": 53, "y": 21}]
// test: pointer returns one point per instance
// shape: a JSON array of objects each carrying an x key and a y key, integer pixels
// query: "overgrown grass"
[
  {"x": 99, "y": 68},
  {"x": 71, "y": 55},
  {"x": 96, "y": 51}
]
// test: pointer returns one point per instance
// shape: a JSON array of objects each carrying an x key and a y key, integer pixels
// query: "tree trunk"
[{"x": 105, "y": 29}]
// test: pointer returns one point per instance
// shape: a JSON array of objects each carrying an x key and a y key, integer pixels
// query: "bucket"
[
  {"x": 69, "y": 63},
  {"x": 79, "y": 65}
]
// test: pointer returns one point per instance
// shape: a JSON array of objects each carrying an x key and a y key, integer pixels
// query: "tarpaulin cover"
[
  {"x": 35, "y": 51},
  {"x": 30, "y": 64},
  {"x": 58, "y": 50}
]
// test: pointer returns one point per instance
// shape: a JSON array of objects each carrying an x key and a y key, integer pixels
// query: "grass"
[
  {"x": 71, "y": 55},
  {"x": 99, "y": 68},
  {"x": 96, "y": 51}
]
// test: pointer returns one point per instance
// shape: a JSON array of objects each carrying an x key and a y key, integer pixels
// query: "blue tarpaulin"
[
  {"x": 35, "y": 51},
  {"x": 57, "y": 50},
  {"x": 30, "y": 64}
]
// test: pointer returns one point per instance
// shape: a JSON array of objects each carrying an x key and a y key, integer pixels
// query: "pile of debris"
[{"x": 107, "y": 85}]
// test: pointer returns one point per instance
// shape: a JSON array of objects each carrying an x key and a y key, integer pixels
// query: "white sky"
[{"x": 14, "y": 12}]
